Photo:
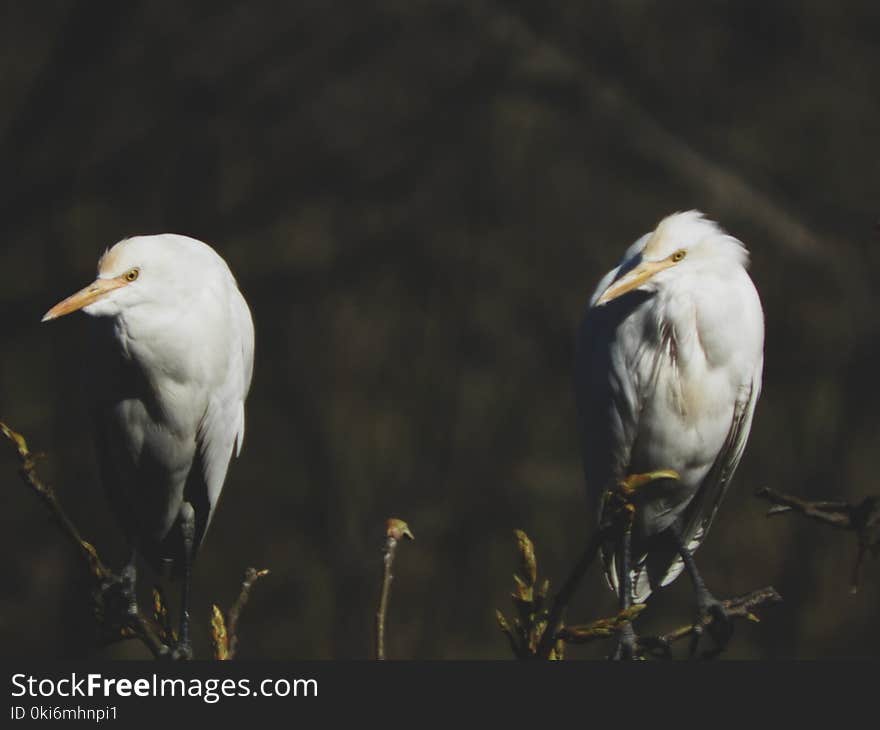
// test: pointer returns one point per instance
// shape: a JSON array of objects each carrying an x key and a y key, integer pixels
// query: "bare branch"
[
  {"x": 538, "y": 633},
  {"x": 862, "y": 518},
  {"x": 135, "y": 626},
  {"x": 515, "y": 646},
  {"x": 602, "y": 628},
  {"x": 563, "y": 598},
  {"x": 28, "y": 473},
  {"x": 224, "y": 629},
  {"x": 530, "y": 636},
  {"x": 251, "y": 576},
  {"x": 739, "y": 607},
  {"x": 616, "y": 515},
  {"x": 395, "y": 531}
]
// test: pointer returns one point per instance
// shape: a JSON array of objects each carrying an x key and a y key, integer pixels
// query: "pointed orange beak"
[
  {"x": 633, "y": 279},
  {"x": 94, "y": 291}
]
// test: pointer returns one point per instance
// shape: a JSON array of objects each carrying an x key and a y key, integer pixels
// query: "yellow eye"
[
  {"x": 131, "y": 274},
  {"x": 678, "y": 255}
]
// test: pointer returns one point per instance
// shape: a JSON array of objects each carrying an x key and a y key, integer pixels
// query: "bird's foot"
[
  {"x": 714, "y": 619},
  {"x": 183, "y": 651},
  {"x": 116, "y": 602},
  {"x": 630, "y": 485},
  {"x": 116, "y": 593},
  {"x": 619, "y": 500},
  {"x": 626, "y": 645},
  {"x": 656, "y": 647},
  {"x": 128, "y": 589}
]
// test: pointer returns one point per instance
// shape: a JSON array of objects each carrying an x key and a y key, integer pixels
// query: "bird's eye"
[
  {"x": 678, "y": 255},
  {"x": 131, "y": 274}
]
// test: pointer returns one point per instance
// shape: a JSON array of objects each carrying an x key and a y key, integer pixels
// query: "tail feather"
[
  {"x": 639, "y": 577},
  {"x": 653, "y": 569}
]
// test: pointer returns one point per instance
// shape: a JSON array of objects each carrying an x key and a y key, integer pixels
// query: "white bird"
[
  {"x": 171, "y": 366},
  {"x": 667, "y": 374}
]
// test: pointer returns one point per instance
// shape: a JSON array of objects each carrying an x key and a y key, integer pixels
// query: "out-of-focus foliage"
[{"x": 417, "y": 199}]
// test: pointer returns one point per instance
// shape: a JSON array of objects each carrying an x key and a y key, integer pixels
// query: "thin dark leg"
[
  {"x": 187, "y": 528},
  {"x": 721, "y": 627},
  {"x": 128, "y": 576},
  {"x": 627, "y": 643}
]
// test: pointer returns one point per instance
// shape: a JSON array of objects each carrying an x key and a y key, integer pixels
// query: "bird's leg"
[
  {"x": 188, "y": 529},
  {"x": 128, "y": 576},
  {"x": 626, "y": 644},
  {"x": 708, "y": 607},
  {"x": 623, "y": 511}
]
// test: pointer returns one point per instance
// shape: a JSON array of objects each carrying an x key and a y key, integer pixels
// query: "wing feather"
[
  {"x": 704, "y": 506},
  {"x": 221, "y": 430},
  {"x": 609, "y": 401}
]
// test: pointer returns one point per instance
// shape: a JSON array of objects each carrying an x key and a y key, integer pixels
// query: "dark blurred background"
[{"x": 418, "y": 199}]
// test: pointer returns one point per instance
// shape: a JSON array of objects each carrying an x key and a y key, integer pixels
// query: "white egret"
[
  {"x": 667, "y": 375},
  {"x": 171, "y": 365}
]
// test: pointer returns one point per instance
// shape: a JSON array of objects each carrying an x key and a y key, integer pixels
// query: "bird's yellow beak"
[
  {"x": 94, "y": 291},
  {"x": 633, "y": 279}
]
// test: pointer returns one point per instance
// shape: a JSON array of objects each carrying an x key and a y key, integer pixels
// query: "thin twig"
[
  {"x": 28, "y": 473},
  {"x": 838, "y": 514},
  {"x": 133, "y": 626},
  {"x": 395, "y": 531},
  {"x": 518, "y": 651},
  {"x": 529, "y": 599},
  {"x": 617, "y": 515},
  {"x": 862, "y": 518},
  {"x": 602, "y": 628},
  {"x": 251, "y": 576},
  {"x": 566, "y": 593},
  {"x": 143, "y": 629},
  {"x": 738, "y": 607}
]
